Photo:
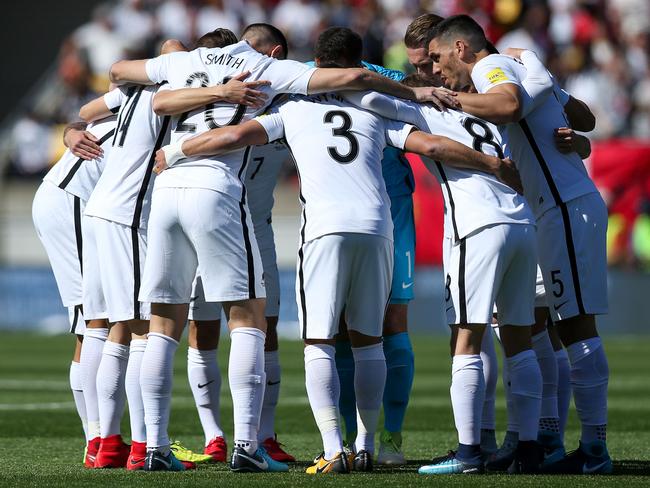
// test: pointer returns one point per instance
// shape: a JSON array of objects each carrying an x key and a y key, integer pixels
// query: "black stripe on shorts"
[
  {"x": 247, "y": 241},
  {"x": 462, "y": 295}
]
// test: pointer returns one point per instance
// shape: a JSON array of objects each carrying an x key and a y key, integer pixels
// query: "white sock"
[
  {"x": 511, "y": 407},
  {"x": 491, "y": 375},
  {"x": 78, "y": 395},
  {"x": 111, "y": 394},
  {"x": 369, "y": 382},
  {"x": 563, "y": 387},
  {"x": 156, "y": 374},
  {"x": 205, "y": 381},
  {"x": 271, "y": 395},
  {"x": 247, "y": 380},
  {"x": 526, "y": 387},
  {"x": 134, "y": 392},
  {"x": 589, "y": 379},
  {"x": 549, "y": 419},
  {"x": 467, "y": 397},
  {"x": 323, "y": 391},
  {"x": 91, "y": 355}
]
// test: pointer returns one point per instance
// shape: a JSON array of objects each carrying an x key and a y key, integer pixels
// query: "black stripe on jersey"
[
  {"x": 568, "y": 235},
  {"x": 247, "y": 241},
  {"x": 136, "y": 272},
  {"x": 115, "y": 110},
  {"x": 130, "y": 110},
  {"x": 462, "y": 295},
  {"x": 80, "y": 161},
  {"x": 452, "y": 205},
  {"x": 75, "y": 319},
  {"x": 77, "y": 232},
  {"x": 137, "y": 214},
  {"x": 301, "y": 249}
]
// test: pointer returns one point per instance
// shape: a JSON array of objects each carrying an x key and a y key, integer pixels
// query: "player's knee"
[
  {"x": 574, "y": 329},
  {"x": 361, "y": 340}
]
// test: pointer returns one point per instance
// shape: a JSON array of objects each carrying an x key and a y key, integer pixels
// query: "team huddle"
[{"x": 160, "y": 215}]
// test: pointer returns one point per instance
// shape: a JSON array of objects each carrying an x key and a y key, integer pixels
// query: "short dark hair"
[
  {"x": 415, "y": 80},
  {"x": 419, "y": 30},
  {"x": 338, "y": 47},
  {"x": 462, "y": 26},
  {"x": 267, "y": 33},
  {"x": 217, "y": 38}
]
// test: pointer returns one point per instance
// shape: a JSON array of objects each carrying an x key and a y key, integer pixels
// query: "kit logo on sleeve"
[{"x": 496, "y": 75}]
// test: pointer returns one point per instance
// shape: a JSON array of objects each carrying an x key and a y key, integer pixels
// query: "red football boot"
[
  {"x": 218, "y": 449},
  {"x": 113, "y": 452},
  {"x": 136, "y": 456},
  {"x": 274, "y": 449},
  {"x": 91, "y": 452},
  {"x": 188, "y": 464}
]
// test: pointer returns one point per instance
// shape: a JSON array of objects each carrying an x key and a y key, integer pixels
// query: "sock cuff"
[
  {"x": 397, "y": 341},
  {"x": 201, "y": 356},
  {"x": 271, "y": 357},
  {"x": 319, "y": 351},
  {"x": 154, "y": 335},
  {"x": 373, "y": 352},
  {"x": 101, "y": 334},
  {"x": 75, "y": 376},
  {"x": 138, "y": 345},
  {"x": 252, "y": 331},
  {"x": 581, "y": 349},
  {"x": 523, "y": 356},
  {"x": 466, "y": 361},
  {"x": 540, "y": 336},
  {"x": 117, "y": 350}
]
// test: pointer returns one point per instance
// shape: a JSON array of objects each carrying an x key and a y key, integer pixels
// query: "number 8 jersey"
[{"x": 208, "y": 67}]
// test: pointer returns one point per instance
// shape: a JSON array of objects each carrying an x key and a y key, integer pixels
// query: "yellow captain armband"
[{"x": 496, "y": 76}]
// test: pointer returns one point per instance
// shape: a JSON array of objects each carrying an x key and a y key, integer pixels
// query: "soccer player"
[
  {"x": 571, "y": 215},
  {"x": 336, "y": 238},
  {"x": 184, "y": 243},
  {"x": 57, "y": 214}
]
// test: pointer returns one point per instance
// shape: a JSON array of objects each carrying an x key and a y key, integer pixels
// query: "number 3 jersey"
[
  {"x": 473, "y": 199},
  {"x": 123, "y": 192},
  {"x": 207, "y": 67},
  {"x": 337, "y": 148}
]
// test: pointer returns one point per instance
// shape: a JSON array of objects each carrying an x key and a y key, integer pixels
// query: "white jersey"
[
  {"x": 78, "y": 176},
  {"x": 264, "y": 165},
  {"x": 549, "y": 176},
  {"x": 473, "y": 199},
  {"x": 123, "y": 193},
  {"x": 208, "y": 67},
  {"x": 337, "y": 148}
]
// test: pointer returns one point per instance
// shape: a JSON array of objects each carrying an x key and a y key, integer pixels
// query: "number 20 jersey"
[
  {"x": 209, "y": 67},
  {"x": 337, "y": 148}
]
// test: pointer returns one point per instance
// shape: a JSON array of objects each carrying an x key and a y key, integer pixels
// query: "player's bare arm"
[
  {"x": 129, "y": 71},
  {"x": 440, "y": 148},
  {"x": 567, "y": 140},
  {"x": 357, "y": 79},
  {"x": 579, "y": 115},
  {"x": 81, "y": 142},
  {"x": 94, "y": 110},
  {"x": 212, "y": 142},
  {"x": 236, "y": 90},
  {"x": 501, "y": 105}
]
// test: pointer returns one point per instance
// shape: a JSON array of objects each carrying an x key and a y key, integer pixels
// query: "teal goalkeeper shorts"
[{"x": 401, "y": 209}]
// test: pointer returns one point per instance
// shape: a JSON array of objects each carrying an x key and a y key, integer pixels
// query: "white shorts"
[
  {"x": 119, "y": 253},
  {"x": 495, "y": 264},
  {"x": 343, "y": 271},
  {"x": 266, "y": 245},
  {"x": 202, "y": 310},
  {"x": 57, "y": 219},
  {"x": 573, "y": 257},
  {"x": 192, "y": 229},
  {"x": 77, "y": 321}
]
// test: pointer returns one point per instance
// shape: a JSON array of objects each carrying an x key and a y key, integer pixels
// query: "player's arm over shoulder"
[{"x": 499, "y": 98}]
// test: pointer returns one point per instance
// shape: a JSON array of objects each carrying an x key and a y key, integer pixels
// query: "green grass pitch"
[{"x": 41, "y": 442}]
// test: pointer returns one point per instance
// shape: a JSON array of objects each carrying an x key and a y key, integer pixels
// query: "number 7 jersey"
[
  {"x": 337, "y": 148},
  {"x": 205, "y": 67}
]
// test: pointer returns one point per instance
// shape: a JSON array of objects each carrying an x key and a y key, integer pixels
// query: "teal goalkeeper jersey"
[{"x": 396, "y": 169}]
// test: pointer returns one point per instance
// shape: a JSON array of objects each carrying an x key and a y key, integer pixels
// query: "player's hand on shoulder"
[
  {"x": 241, "y": 92},
  {"x": 514, "y": 52},
  {"x": 508, "y": 174},
  {"x": 161, "y": 162},
  {"x": 440, "y": 97},
  {"x": 564, "y": 139},
  {"x": 82, "y": 144}
]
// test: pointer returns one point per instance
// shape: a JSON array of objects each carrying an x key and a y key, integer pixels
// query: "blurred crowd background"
[{"x": 599, "y": 50}]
